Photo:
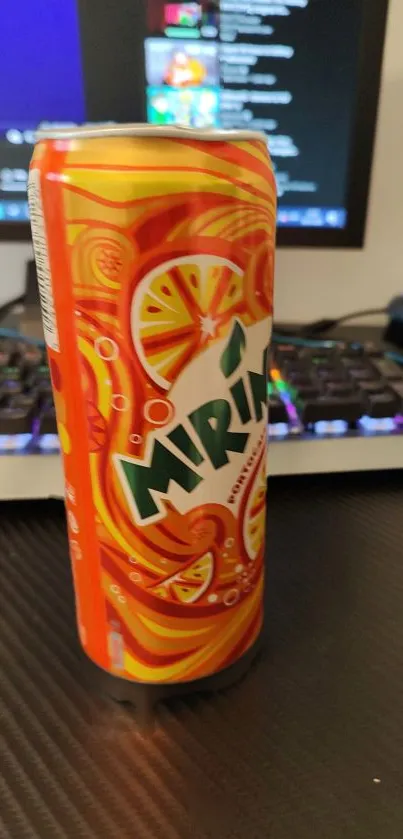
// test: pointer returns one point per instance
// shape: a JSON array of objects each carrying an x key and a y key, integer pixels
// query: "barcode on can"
[
  {"x": 42, "y": 261},
  {"x": 116, "y": 650}
]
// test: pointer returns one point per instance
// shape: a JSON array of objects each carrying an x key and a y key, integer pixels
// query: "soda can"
[{"x": 154, "y": 250}]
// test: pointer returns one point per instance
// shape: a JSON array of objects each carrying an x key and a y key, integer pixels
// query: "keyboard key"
[
  {"x": 39, "y": 381},
  {"x": 24, "y": 400},
  {"x": 42, "y": 372},
  {"x": 351, "y": 363},
  {"x": 10, "y": 371},
  {"x": 11, "y": 387},
  {"x": 293, "y": 368},
  {"x": 5, "y": 358},
  {"x": 397, "y": 387},
  {"x": 332, "y": 374},
  {"x": 44, "y": 389},
  {"x": 388, "y": 369},
  {"x": 362, "y": 374},
  {"x": 7, "y": 348},
  {"x": 316, "y": 354},
  {"x": 277, "y": 411},
  {"x": 332, "y": 408},
  {"x": 47, "y": 422},
  {"x": 386, "y": 404},
  {"x": 372, "y": 350},
  {"x": 320, "y": 361},
  {"x": 376, "y": 386},
  {"x": 15, "y": 421},
  {"x": 285, "y": 351},
  {"x": 310, "y": 391},
  {"x": 323, "y": 360},
  {"x": 31, "y": 356},
  {"x": 353, "y": 351},
  {"x": 297, "y": 379},
  {"x": 342, "y": 389}
]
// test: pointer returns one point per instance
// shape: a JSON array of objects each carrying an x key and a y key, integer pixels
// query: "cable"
[
  {"x": 326, "y": 324},
  {"x": 318, "y": 327}
]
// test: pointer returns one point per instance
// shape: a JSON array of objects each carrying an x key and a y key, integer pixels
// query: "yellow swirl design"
[{"x": 183, "y": 594}]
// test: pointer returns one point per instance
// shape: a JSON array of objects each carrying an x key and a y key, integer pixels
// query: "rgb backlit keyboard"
[
  {"x": 329, "y": 390},
  {"x": 334, "y": 389}
]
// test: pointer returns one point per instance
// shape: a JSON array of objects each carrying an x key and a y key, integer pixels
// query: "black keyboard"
[
  {"x": 334, "y": 389},
  {"x": 328, "y": 392},
  {"x": 27, "y": 414}
]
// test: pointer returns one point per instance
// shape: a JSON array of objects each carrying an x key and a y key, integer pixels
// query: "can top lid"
[{"x": 144, "y": 130}]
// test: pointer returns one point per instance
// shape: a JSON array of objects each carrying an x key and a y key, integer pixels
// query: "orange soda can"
[{"x": 154, "y": 251}]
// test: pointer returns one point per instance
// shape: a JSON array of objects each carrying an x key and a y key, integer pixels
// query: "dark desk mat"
[{"x": 291, "y": 752}]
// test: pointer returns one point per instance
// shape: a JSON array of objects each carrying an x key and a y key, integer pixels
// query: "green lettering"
[
  {"x": 211, "y": 422},
  {"x": 241, "y": 401},
  {"x": 232, "y": 355},
  {"x": 180, "y": 438},
  {"x": 164, "y": 468},
  {"x": 258, "y": 385}
]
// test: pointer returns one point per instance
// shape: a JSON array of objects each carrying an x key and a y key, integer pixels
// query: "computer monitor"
[{"x": 306, "y": 72}]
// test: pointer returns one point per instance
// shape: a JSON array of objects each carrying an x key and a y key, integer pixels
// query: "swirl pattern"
[{"x": 170, "y": 255}]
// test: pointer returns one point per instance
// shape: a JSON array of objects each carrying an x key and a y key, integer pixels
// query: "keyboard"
[
  {"x": 342, "y": 402},
  {"x": 333, "y": 407},
  {"x": 27, "y": 414}
]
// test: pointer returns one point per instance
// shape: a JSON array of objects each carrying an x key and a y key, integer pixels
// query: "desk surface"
[{"x": 289, "y": 753}]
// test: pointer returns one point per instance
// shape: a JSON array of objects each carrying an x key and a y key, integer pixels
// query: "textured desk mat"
[{"x": 308, "y": 745}]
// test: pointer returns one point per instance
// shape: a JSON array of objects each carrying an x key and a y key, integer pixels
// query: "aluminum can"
[{"x": 155, "y": 252}]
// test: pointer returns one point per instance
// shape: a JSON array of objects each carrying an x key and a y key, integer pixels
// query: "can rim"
[{"x": 145, "y": 130}]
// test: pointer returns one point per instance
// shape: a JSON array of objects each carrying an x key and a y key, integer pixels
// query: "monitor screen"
[
  {"x": 40, "y": 49},
  {"x": 286, "y": 68},
  {"x": 305, "y": 72}
]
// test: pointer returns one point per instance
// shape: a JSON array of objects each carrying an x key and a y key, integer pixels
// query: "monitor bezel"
[
  {"x": 105, "y": 93},
  {"x": 370, "y": 62}
]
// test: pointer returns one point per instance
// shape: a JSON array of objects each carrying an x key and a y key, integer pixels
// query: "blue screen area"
[
  {"x": 40, "y": 53},
  {"x": 42, "y": 81}
]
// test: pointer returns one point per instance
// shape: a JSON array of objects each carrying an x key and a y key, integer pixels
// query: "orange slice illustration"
[
  {"x": 180, "y": 307},
  {"x": 189, "y": 585},
  {"x": 255, "y": 514}
]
